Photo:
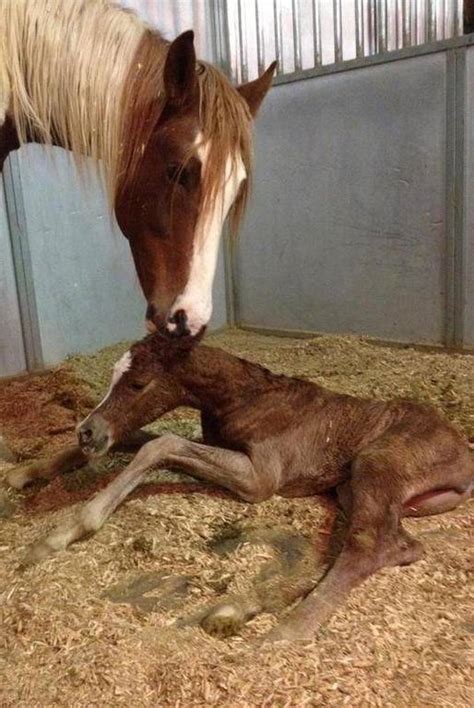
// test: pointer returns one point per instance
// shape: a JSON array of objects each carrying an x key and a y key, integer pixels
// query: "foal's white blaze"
[
  {"x": 120, "y": 367},
  {"x": 196, "y": 299}
]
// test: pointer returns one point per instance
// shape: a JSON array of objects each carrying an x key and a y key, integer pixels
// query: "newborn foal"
[{"x": 266, "y": 434}]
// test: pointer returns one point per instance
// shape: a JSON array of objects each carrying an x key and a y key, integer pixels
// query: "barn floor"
[{"x": 94, "y": 625}]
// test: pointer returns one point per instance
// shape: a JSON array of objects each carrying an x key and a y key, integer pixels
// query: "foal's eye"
[{"x": 137, "y": 386}]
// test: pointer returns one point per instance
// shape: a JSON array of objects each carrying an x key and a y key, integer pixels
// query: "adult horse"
[{"x": 172, "y": 133}]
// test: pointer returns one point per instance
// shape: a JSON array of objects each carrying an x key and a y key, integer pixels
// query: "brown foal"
[{"x": 266, "y": 434}]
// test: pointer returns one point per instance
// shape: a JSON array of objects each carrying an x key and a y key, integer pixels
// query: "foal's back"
[{"x": 311, "y": 435}]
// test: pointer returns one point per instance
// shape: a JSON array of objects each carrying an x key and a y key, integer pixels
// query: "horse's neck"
[
  {"x": 215, "y": 380},
  {"x": 73, "y": 96}
]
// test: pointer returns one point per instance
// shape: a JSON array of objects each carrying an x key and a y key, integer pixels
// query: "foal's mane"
[{"x": 88, "y": 75}]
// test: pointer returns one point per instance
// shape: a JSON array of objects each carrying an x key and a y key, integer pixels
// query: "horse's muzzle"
[{"x": 175, "y": 325}]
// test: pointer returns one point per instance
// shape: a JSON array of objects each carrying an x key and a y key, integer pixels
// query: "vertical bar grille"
[{"x": 302, "y": 34}]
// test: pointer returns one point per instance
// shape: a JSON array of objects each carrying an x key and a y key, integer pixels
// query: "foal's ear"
[
  {"x": 255, "y": 91},
  {"x": 180, "y": 70}
]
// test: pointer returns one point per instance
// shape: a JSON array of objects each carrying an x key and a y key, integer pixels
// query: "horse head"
[{"x": 192, "y": 169}]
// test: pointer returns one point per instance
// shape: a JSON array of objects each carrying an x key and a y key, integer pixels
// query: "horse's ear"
[
  {"x": 255, "y": 91},
  {"x": 180, "y": 70}
]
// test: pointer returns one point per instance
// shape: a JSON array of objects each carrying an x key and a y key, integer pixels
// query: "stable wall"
[{"x": 357, "y": 222}]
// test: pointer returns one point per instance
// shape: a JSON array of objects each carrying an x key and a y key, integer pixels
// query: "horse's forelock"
[{"x": 226, "y": 130}]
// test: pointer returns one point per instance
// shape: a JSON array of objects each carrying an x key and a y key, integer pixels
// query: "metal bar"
[
  {"x": 372, "y": 26},
  {"x": 260, "y": 40},
  {"x": 406, "y": 24},
  {"x": 337, "y": 13},
  {"x": 455, "y": 245},
  {"x": 278, "y": 37},
  {"x": 414, "y": 14},
  {"x": 22, "y": 263},
  {"x": 430, "y": 22},
  {"x": 445, "y": 13},
  {"x": 244, "y": 70},
  {"x": 359, "y": 27},
  {"x": 457, "y": 18},
  {"x": 295, "y": 7},
  {"x": 381, "y": 26},
  {"x": 317, "y": 33},
  {"x": 397, "y": 24}
]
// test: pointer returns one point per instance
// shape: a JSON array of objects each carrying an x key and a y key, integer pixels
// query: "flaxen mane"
[{"x": 88, "y": 74}]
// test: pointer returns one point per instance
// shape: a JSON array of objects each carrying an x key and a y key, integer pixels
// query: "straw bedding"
[{"x": 94, "y": 626}]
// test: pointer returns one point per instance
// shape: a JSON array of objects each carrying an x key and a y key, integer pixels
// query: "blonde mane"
[{"x": 88, "y": 75}]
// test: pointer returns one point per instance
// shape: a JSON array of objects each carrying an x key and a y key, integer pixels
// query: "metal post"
[
  {"x": 455, "y": 227},
  {"x": 337, "y": 30},
  {"x": 296, "y": 34},
  {"x": 317, "y": 33},
  {"x": 22, "y": 262}
]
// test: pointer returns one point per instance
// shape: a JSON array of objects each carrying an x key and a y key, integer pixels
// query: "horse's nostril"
[
  {"x": 180, "y": 320},
  {"x": 150, "y": 313}
]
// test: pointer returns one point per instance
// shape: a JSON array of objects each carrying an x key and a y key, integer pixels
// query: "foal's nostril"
[
  {"x": 85, "y": 436},
  {"x": 180, "y": 319}
]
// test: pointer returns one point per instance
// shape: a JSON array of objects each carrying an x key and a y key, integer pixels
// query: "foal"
[{"x": 265, "y": 434}]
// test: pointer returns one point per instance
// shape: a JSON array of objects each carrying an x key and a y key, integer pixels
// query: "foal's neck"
[{"x": 215, "y": 380}]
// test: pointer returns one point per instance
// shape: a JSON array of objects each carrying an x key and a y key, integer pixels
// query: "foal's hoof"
[
  {"x": 20, "y": 476},
  {"x": 224, "y": 620},
  {"x": 288, "y": 632}
]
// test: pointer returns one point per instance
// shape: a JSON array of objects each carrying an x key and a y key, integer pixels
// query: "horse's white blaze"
[
  {"x": 196, "y": 299},
  {"x": 4, "y": 101}
]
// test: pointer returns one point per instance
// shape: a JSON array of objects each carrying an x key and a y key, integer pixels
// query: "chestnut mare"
[{"x": 173, "y": 135}]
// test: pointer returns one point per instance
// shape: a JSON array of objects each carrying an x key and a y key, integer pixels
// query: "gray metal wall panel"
[
  {"x": 469, "y": 203},
  {"x": 12, "y": 354},
  {"x": 87, "y": 295},
  {"x": 345, "y": 232}
]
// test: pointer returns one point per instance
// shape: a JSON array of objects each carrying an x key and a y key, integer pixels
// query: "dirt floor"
[{"x": 94, "y": 626}]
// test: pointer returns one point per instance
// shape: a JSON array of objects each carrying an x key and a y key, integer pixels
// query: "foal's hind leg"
[{"x": 375, "y": 539}]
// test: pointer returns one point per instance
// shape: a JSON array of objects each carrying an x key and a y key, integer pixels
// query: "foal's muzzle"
[{"x": 94, "y": 435}]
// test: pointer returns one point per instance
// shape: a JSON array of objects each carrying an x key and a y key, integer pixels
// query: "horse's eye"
[
  {"x": 137, "y": 386},
  {"x": 177, "y": 174}
]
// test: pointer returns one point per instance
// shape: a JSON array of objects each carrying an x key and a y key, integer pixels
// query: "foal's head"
[
  {"x": 191, "y": 169},
  {"x": 144, "y": 386}
]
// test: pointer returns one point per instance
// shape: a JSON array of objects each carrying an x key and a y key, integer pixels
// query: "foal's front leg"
[
  {"x": 66, "y": 460},
  {"x": 233, "y": 470}
]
